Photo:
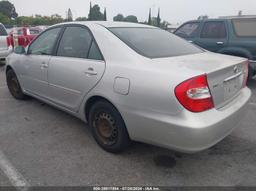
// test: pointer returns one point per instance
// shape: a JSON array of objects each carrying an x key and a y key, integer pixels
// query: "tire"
[
  {"x": 108, "y": 128},
  {"x": 14, "y": 86}
]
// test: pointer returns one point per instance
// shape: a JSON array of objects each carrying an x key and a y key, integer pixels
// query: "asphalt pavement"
[{"x": 43, "y": 146}]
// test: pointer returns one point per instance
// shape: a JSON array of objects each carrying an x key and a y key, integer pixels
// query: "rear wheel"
[
  {"x": 108, "y": 127},
  {"x": 14, "y": 86}
]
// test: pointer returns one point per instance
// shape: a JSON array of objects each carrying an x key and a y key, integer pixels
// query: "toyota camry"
[{"x": 133, "y": 82}]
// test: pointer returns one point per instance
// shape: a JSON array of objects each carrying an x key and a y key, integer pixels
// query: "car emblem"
[{"x": 236, "y": 70}]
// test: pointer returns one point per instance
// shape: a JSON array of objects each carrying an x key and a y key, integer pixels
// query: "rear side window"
[
  {"x": 75, "y": 42},
  {"x": 94, "y": 52},
  {"x": 245, "y": 27},
  {"x": 188, "y": 30},
  {"x": 214, "y": 29},
  {"x": 2, "y": 31},
  {"x": 44, "y": 44},
  {"x": 154, "y": 42}
]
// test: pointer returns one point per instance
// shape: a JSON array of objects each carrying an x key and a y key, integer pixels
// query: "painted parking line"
[{"x": 15, "y": 178}]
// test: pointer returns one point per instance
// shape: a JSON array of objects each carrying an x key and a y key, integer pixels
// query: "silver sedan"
[{"x": 133, "y": 82}]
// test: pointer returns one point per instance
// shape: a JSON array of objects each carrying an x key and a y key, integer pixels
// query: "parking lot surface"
[{"x": 48, "y": 147}]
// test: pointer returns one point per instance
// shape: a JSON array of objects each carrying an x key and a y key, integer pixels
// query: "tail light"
[
  {"x": 245, "y": 73},
  {"x": 194, "y": 94}
]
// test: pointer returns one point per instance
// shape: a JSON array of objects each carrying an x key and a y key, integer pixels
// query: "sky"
[{"x": 173, "y": 11}]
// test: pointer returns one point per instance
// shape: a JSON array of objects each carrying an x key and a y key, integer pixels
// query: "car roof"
[
  {"x": 109, "y": 24},
  {"x": 205, "y": 20},
  {"x": 220, "y": 19}
]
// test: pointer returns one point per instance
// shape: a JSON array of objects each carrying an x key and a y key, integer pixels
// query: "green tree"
[
  {"x": 131, "y": 18},
  {"x": 55, "y": 18},
  {"x": 81, "y": 19},
  {"x": 8, "y": 9},
  {"x": 90, "y": 12},
  {"x": 38, "y": 20},
  {"x": 105, "y": 15},
  {"x": 69, "y": 15},
  {"x": 158, "y": 19},
  {"x": 95, "y": 14},
  {"x": 4, "y": 19},
  {"x": 149, "y": 17},
  {"x": 118, "y": 17},
  {"x": 24, "y": 21}
]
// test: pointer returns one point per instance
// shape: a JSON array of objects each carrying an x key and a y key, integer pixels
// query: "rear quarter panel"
[{"x": 151, "y": 89}]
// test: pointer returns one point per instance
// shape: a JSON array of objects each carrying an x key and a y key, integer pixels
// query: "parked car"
[
  {"x": 232, "y": 36},
  {"x": 172, "y": 28},
  {"x": 35, "y": 30},
  {"x": 22, "y": 36},
  {"x": 4, "y": 48},
  {"x": 133, "y": 82}
]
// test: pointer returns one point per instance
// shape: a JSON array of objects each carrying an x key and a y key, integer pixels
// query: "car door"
[
  {"x": 76, "y": 68},
  {"x": 214, "y": 36},
  {"x": 189, "y": 31},
  {"x": 36, "y": 62}
]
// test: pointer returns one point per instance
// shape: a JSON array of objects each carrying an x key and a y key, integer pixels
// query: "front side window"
[
  {"x": 75, "y": 42},
  {"x": 44, "y": 44},
  {"x": 214, "y": 29},
  {"x": 189, "y": 30},
  {"x": 2, "y": 31},
  {"x": 154, "y": 42},
  {"x": 245, "y": 27}
]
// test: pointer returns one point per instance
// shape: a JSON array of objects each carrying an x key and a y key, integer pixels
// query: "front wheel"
[
  {"x": 14, "y": 86},
  {"x": 108, "y": 127}
]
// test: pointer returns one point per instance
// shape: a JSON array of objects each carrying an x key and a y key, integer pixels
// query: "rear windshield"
[
  {"x": 154, "y": 43},
  {"x": 245, "y": 27},
  {"x": 2, "y": 31}
]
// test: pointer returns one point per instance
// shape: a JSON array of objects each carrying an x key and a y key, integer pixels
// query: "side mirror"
[{"x": 20, "y": 50}]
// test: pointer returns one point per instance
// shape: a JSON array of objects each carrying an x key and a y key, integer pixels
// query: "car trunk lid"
[
  {"x": 226, "y": 83},
  {"x": 225, "y": 74}
]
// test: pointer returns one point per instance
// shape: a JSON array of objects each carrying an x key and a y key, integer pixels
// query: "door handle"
[
  {"x": 44, "y": 65},
  {"x": 91, "y": 72},
  {"x": 191, "y": 41},
  {"x": 220, "y": 43}
]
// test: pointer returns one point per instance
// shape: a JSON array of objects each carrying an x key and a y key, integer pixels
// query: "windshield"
[{"x": 154, "y": 42}]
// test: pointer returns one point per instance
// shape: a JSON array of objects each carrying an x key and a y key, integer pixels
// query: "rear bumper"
[
  {"x": 5, "y": 52},
  {"x": 187, "y": 132}
]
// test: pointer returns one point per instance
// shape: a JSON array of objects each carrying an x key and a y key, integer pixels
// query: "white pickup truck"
[{"x": 4, "y": 48}]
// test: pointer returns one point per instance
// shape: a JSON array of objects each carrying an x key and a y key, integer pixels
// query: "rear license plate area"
[{"x": 232, "y": 87}]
